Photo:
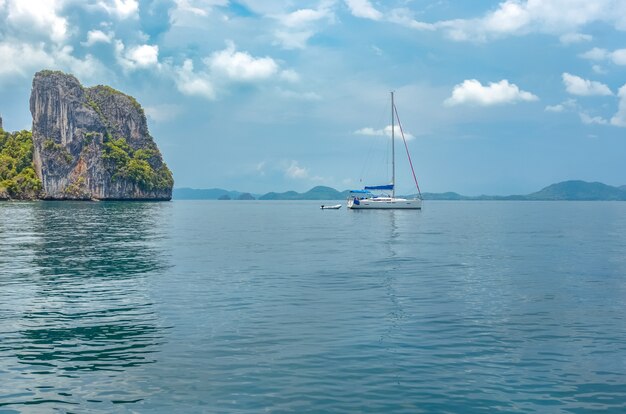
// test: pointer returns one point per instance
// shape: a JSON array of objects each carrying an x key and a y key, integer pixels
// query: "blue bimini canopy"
[
  {"x": 380, "y": 187},
  {"x": 359, "y": 191}
]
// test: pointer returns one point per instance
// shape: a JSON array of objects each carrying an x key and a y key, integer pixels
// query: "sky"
[{"x": 495, "y": 97}]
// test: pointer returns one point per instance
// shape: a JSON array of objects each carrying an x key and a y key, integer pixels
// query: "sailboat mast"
[{"x": 393, "y": 150}]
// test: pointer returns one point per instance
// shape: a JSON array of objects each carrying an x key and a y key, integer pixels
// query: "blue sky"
[{"x": 499, "y": 97}]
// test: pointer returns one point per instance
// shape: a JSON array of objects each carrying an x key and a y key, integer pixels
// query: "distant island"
[
  {"x": 574, "y": 190},
  {"x": 86, "y": 144}
]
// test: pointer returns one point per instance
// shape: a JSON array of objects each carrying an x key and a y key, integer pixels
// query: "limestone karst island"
[{"x": 86, "y": 144}]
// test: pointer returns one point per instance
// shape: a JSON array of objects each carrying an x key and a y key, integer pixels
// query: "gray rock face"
[
  {"x": 1, "y": 122},
  {"x": 93, "y": 143}
]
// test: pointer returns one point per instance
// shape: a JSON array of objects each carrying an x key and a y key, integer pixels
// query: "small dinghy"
[{"x": 335, "y": 207}]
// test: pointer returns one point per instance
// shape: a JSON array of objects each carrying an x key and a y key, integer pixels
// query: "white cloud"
[
  {"x": 122, "y": 9},
  {"x": 471, "y": 91},
  {"x": 97, "y": 36},
  {"x": 617, "y": 56},
  {"x": 555, "y": 108},
  {"x": 136, "y": 57},
  {"x": 192, "y": 83},
  {"x": 364, "y": 9},
  {"x": 619, "y": 119},
  {"x": 19, "y": 59},
  {"x": 289, "y": 75},
  {"x": 22, "y": 59},
  {"x": 37, "y": 17},
  {"x": 163, "y": 112},
  {"x": 187, "y": 12},
  {"x": 225, "y": 67},
  {"x": 563, "y": 106},
  {"x": 583, "y": 87},
  {"x": 303, "y": 17},
  {"x": 510, "y": 17},
  {"x": 144, "y": 55},
  {"x": 404, "y": 17},
  {"x": 297, "y": 27},
  {"x": 599, "y": 69},
  {"x": 569, "y": 38},
  {"x": 385, "y": 132},
  {"x": 519, "y": 17},
  {"x": 293, "y": 40},
  {"x": 294, "y": 170},
  {"x": 595, "y": 54},
  {"x": 590, "y": 120},
  {"x": 241, "y": 66}
]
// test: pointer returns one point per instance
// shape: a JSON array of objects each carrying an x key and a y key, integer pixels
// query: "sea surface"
[{"x": 261, "y": 306}]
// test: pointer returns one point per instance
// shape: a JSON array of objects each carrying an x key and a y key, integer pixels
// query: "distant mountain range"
[
  {"x": 210, "y": 194},
  {"x": 567, "y": 190}
]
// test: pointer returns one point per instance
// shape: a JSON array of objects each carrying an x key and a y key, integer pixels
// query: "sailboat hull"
[{"x": 384, "y": 204}]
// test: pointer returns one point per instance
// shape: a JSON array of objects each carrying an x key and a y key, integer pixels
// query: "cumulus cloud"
[
  {"x": 400, "y": 16},
  {"x": 22, "y": 59},
  {"x": 122, "y": 9},
  {"x": 569, "y": 38},
  {"x": 619, "y": 119},
  {"x": 163, "y": 113},
  {"x": 562, "y": 107},
  {"x": 618, "y": 56},
  {"x": 19, "y": 58},
  {"x": 293, "y": 39},
  {"x": 473, "y": 92},
  {"x": 241, "y": 66},
  {"x": 595, "y": 54},
  {"x": 187, "y": 11},
  {"x": 598, "y": 54},
  {"x": 223, "y": 68},
  {"x": 384, "y": 132},
  {"x": 303, "y": 17},
  {"x": 192, "y": 83},
  {"x": 290, "y": 75},
  {"x": 404, "y": 17},
  {"x": 598, "y": 69},
  {"x": 97, "y": 36},
  {"x": 294, "y": 170},
  {"x": 583, "y": 87},
  {"x": 363, "y": 9},
  {"x": 297, "y": 27},
  {"x": 591, "y": 120},
  {"x": 37, "y": 17},
  {"x": 136, "y": 57},
  {"x": 518, "y": 17}
]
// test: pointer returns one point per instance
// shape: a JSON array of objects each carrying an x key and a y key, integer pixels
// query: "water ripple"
[{"x": 270, "y": 306}]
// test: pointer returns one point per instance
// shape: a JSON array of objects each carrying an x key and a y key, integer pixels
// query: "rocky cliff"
[{"x": 93, "y": 143}]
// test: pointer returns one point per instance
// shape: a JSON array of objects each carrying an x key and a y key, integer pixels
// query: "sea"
[{"x": 281, "y": 307}]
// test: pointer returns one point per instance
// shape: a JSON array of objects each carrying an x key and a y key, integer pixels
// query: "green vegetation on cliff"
[
  {"x": 18, "y": 179},
  {"x": 133, "y": 165}
]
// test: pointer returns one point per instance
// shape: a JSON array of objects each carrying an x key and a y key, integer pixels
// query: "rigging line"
[{"x": 407, "y": 150}]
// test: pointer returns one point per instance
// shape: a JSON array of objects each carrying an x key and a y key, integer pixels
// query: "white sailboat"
[{"x": 366, "y": 200}]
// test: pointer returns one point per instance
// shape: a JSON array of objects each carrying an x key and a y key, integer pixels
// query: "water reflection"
[{"x": 80, "y": 285}]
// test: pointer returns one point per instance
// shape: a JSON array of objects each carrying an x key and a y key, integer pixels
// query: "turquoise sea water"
[{"x": 247, "y": 307}]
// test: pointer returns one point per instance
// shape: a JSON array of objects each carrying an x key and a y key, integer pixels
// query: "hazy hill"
[
  {"x": 315, "y": 193},
  {"x": 442, "y": 196},
  {"x": 204, "y": 194},
  {"x": 567, "y": 190},
  {"x": 578, "y": 190},
  {"x": 246, "y": 196}
]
